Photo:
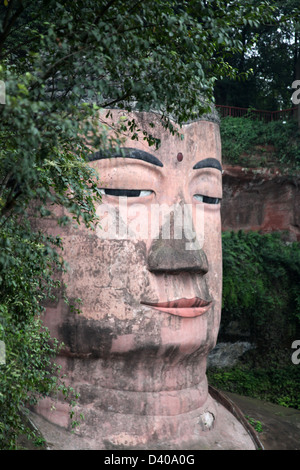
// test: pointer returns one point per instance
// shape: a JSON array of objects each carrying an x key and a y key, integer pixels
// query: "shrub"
[
  {"x": 261, "y": 287},
  {"x": 27, "y": 264},
  {"x": 279, "y": 386},
  {"x": 241, "y": 138},
  {"x": 261, "y": 295}
]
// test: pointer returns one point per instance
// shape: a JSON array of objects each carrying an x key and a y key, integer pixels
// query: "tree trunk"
[
  {"x": 298, "y": 78},
  {"x": 297, "y": 71}
]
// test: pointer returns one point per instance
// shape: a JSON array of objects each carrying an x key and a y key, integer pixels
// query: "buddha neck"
[
  {"x": 153, "y": 388},
  {"x": 125, "y": 404}
]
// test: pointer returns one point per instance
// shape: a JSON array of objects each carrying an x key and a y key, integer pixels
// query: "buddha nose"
[{"x": 172, "y": 256}]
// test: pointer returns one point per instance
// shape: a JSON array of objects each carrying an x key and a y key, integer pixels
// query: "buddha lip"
[
  {"x": 180, "y": 303},
  {"x": 182, "y": 307}
]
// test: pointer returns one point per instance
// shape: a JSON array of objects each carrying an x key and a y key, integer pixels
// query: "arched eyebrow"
[
  {"x": 136, "y": 154},
  {"x": 208, "y": 163}
]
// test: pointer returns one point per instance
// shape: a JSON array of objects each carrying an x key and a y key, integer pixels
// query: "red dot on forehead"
[{"x": 179, "y": 157}]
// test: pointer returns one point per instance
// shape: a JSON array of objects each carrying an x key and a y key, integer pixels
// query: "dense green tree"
[
  {"x": 61, "y": 62},
  {"x": 274, "y": 58}
]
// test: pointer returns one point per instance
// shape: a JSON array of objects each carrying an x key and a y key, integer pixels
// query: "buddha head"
[{"x": 150, "y": 278}]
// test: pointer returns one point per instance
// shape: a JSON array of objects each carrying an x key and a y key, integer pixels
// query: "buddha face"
[
  {"x": 150, "y": 276},
  {"x": 150, "y": 279}
]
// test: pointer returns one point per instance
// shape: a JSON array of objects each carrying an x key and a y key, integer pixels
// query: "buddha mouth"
[{"x": 187, "y": 308}]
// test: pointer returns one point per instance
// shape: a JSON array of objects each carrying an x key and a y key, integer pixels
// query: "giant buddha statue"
[{"x": 150, "y": 278}]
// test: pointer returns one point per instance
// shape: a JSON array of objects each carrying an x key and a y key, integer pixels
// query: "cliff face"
[{"x": 261, "y": 199}]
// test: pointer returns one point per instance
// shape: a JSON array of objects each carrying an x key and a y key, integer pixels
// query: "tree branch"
[
  {"x": 104, "y": 10},
  {"x": 7, "y": 14},
  {"x": 10, "y": 24}
]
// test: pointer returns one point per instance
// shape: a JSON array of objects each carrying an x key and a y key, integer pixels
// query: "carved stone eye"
[
  {"x": 207, "y": 199},
  {"x": 126, "y": 192}
]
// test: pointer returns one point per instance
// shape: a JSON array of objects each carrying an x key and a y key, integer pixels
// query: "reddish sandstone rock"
[{"x": 261, "y": 199}]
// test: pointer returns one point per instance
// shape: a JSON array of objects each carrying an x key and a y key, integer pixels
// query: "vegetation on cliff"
[
  {"x": 261, "y": 296},
  {"x": 254, "y": 143}
]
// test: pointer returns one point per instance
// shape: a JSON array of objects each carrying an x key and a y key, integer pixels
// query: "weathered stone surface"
[
  {"x": 211, "y": 428},
  {"x": 261, "y": 199},
  {"x": 228, "y": 354},
  {"x": 137, "y": 352}
]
